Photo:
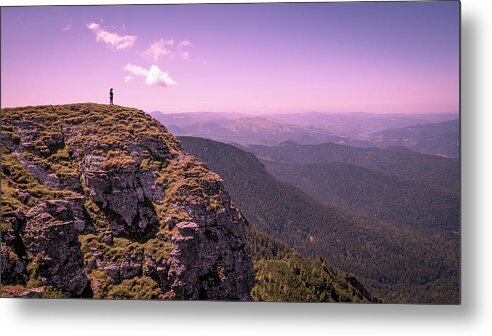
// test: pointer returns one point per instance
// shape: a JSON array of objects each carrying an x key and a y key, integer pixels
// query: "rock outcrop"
[
  {"x": 102, "y": 202},
  {"x": 13, "y": 262},
  {"x": 53, "y": 243}
]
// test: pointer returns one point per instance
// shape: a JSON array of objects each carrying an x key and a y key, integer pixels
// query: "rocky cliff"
[{"x": 102, "y": 202}]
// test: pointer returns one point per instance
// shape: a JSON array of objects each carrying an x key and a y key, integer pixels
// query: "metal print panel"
[{"x": 289, "y": 152}]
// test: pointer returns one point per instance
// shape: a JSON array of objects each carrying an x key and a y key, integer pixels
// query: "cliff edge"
[{"x": 101, "y": 201}]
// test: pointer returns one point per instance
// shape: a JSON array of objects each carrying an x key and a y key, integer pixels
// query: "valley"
[{"x": 404, "y": 261}]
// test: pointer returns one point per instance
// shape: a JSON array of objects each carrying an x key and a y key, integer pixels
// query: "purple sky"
[{"x": 263, "y": 58}]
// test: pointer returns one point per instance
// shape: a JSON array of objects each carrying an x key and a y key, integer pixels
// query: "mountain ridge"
[
  {"x": 425, "y": 133},
  {"x": 437, "y": 139}
]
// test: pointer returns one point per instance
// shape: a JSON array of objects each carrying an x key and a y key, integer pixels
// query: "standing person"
[{"x": 111, "y": 96}]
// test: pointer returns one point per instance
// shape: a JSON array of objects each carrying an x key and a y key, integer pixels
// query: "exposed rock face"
[
  {"x": 227, "y": 275},
  {"x": 13, "y": 250},
  {"x": 55, "y": 247},
  {"x": 102, "y": 201},
  {"x": 120, "y": 193}
]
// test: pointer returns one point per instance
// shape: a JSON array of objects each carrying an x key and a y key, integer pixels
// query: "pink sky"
[{"x": 333, "y": 57}]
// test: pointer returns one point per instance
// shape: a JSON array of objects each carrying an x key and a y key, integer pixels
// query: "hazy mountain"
[
  {"x": 235, "y": 128},
  {"x": 439, "y": 139},
  {"x": 426, "y": 133},
  {"x": 239, "y": 129},
  {"x": 190, "y": 118},
  {"x": 357, "y": 124},
  {"x": 401, "y": 263},
  {"x": 259, "y": 130},
  {"x": 433, "y": 170}
]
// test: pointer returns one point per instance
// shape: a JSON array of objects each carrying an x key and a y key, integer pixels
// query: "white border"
[{"x": 72, "y": 317}]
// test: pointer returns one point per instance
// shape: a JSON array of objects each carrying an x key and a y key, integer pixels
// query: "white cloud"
[
  {"x": 128, "y": 79},
  {"x": 153, "y": 76},
  {"x": 184, "y": 44},
  {"x": 68, "y": 26},
  {"x": 168, "y": 48},
  {"x": 157, "y": 77},
  {"x": 113, "y": 40},
  {"x": 136, "y": 70},
  {"x": 160, "y": 48}
]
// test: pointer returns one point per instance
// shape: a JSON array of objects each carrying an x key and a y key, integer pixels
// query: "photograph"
[{"x": 273, "y": 152}]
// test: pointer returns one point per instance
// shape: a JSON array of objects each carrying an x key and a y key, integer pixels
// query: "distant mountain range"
[
  {"x": 439, "y": 139},
  {"x": 402, "y": 260},
  {"x": 357, "y": 124},
  {"x": 242, "y": 130},
  {"x": 427, "y": 133}
]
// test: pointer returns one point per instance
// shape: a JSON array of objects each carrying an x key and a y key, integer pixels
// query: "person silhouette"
[{"x": 111, "y": 96}]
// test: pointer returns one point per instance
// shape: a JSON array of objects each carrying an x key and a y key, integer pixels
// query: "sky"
[{"x": 400, "y": 57}]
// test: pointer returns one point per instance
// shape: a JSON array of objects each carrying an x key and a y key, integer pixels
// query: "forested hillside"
[
  {"x": 282, "y": 274},
  {"x": 374, "y": 194},
  {"x": 401, "y": 264},
  {"x": 430, "y": 169}
]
